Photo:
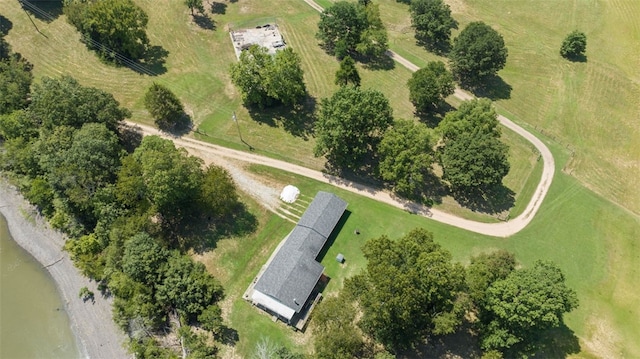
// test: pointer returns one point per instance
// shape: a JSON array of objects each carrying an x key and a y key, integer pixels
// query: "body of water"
[{"x": 33, "y": 322}]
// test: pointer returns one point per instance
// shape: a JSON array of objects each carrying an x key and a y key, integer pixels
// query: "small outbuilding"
[{"x": 340, "y": 258}]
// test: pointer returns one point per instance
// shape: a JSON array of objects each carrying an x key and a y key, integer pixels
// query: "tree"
[
  {"x": 429, "y": 86},
  {"x": 574, "y": 45},
  {"x": 218, "y": 193},
  {"x": 525, "y": 303},
  {"x": 187, "y": 287},
  {"x": 335, "y": 336},
  {"x": 159, "y": 175},
  {"x": 266, "y": 80},
  {"x": 406, "y": 156},
  {"x": 484, "y": 270},
  {"x": 433, "y": 23},
  {"x": 472, "y": 156},
  {"x": 57, "y": 102},
  {"x": 349, "y": 28},
  {"x": 15, "y": 83},
  {"x": 111, "y": 27},
  {"x": 474, "y": 162},
  {"x": 164, "y": 106},
  {"x": 211, "y": 319},
  {"x": 347, "y": 73},
  {"x": 477, "y": 53},
  {"x": 408, "y": 288},
  {"x": 350, "y": 125},
  {"x": 143, "y": 258},
  {"x": 194, "y": 5}
]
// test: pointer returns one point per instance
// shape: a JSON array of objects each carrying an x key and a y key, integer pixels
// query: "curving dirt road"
[{"x": 504, "y": 229}]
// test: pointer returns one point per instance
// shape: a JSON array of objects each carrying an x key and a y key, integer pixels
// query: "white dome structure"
[{"x": 289, "y": 194}]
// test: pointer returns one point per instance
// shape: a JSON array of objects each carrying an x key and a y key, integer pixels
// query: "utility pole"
[{"x": 235, "y": 119}]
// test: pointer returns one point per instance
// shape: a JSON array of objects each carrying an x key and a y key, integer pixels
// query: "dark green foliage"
[
  {"x": 165, "y": 107},
  {"x": 111, "y": 25},
  {"x": 218, "y": 193},
  {"x": 525, "y": 303},
  {"x": 574, "y": 45},
  {"x": 409, "y": 289},
  {"x": 484, "y": 270},
  {"x": 211, "y": 319},
  {"x": 433, "y": 23},
  {"x": 266, "y": 80},
  {"x": 347, "y": 73},
  {"x": 350, "y": 125},
  {"x": 477, "y": 53},
  {"x": 162, "y": 176},
  {"x": 143, "y": 258},
  {"x": 406, "y": 155},
  {"x": 18, "y": 124},
  {"x": 352, "y": 28},
  {"x": 472, "y": 156},
  {"x": 429, "y": 86},
  {"x": 187, "y": 287},
  {"x": 64, "y": 102},
  {"x": 5, "y": 48},
  {"x": 194, "y": 5},
  {"x": 15, "y": 83},
  {"x": 336, "y": 337},
  {"x": 148, "y": 348},
  {"x": 474, "y": 161}
]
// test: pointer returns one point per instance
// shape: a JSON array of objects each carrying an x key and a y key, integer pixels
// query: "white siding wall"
[{"x": 268, "y": 302}]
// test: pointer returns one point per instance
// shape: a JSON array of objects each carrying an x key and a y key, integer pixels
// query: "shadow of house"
[{"x": 291, "y": 275}]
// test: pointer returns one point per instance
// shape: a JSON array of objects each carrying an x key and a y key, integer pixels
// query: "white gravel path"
[{"x": 96, "y": 334}]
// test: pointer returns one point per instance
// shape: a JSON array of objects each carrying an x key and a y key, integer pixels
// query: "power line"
[{"x": 128, "y": 62}]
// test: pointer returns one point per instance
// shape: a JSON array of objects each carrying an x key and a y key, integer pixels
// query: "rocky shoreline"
[{"x": 96, "y": 334}]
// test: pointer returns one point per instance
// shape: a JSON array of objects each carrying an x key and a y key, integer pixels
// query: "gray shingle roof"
[{"x": 294, "y": 272}]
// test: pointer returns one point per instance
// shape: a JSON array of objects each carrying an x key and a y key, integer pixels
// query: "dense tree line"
[
  {"x": 15, "y": 79},
  {"x": 128, "y": 215},
  {"x": 412, "y": 291}
]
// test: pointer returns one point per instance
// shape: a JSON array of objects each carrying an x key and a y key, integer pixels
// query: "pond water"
[{"x": 33, "y": 322}]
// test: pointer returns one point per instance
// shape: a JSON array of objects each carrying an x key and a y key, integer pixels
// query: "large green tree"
[
  {"x": 429, "y": 86},
  {"x": 525, "y": 303},
  {"x": 111, "y": 27},
  {"x": 266, "y": 80},
  {"x": 472, "y": 155},
  {"x": 352, "y": 28},
  {"x": 335, "y": 335},
  {"x": 56, "y": 102},
  {"x": 477, "y": 53},
  {"x": 187, "y": 287},
  {"x": 350, "y": 125},
  {"x": 484, "y": 270},
  {"x": 410, "y": 289},
  {"x": 433, "y": 23},
  {"x": 194, "y": 5},
  {"x": 406, "y": 155},
  {"x": 574, "y": 45},
  {"x": 165, "y": 107},
  {"x": 143, "y": 259}
]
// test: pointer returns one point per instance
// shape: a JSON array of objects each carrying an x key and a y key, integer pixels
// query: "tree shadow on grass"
[
  {"x": 461, "y": 344},
  {"x": 432, "y": 118},
  {"x": 152, "y": 63},
  {"x": 44, "y": 10},
  {"x": 382, "y": 62},
  {"x": 577, "y": 58},
  {"x": 5, "y": 25},
  {"x": 130, "y": 137},
  {"x": 203, "y": 234},
  {"x": 492, "y": 87},
  {"x": 204, "y": 22},
  {"x": 553, "y": 343},
  {"x": 298, "y": 120},
  {"x": 489, "y": 200},
  {"x": 218, "y": 8},
  {"x": 179, "y": 128}
]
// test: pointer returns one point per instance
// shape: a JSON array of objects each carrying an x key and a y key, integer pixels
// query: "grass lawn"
[{"x": 590, "y": 238}]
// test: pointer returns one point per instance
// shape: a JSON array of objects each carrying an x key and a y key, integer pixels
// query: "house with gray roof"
[{"x": 293, "y": 272}]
